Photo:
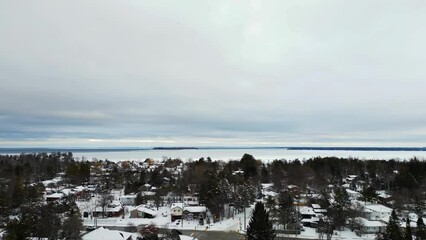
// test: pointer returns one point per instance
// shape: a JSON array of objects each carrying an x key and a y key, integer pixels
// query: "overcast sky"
[{"x": 84, "y": 73}]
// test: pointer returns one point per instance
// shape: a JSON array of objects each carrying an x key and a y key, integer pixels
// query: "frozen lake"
[{"x": 236, "y": 154}]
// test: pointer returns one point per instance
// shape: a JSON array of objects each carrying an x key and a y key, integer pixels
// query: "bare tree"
[{"x": 106, "y": 199}]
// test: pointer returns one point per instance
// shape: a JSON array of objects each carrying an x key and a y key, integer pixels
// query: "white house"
[
  {"x": 372, "y": 227},
  {"x": 307, "y": 212},
  {"x": 176, "y": 211},
  {"x": 318, "y": 210},
  {"x": 377, "y": 212}
]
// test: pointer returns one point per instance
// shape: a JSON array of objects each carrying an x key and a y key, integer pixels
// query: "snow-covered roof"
[
  {"x": 270, "y": 193},
  {"x": 320, "y": 210},
  {"x": 55, "y": 195},
  {"x": 179, "y": 205},
  {"x": 383, "y": 194},
  {"x": 127, "y": 196},
  {"x": 80, "y": 188},
  {"x": 109, "y": 209},
  {"x": 368, "y": 223},
  {"x": 316, "y": 206},
  {"x": 67, "y": 191},
  {"x": 148, "y": 193},
  {"x": 310, "y": 220},
  {"x": 53, "y": 181},
  {"x": 378, "y": 208},
  {"x": 305, "y": 210},
  {"x": 144, "y": 209},
  {"x": 195, "y": 209},
  {"x": 106, "y": 234},
  {"x": 237, "y": 172},
  {"x": 266, "y": 185}
]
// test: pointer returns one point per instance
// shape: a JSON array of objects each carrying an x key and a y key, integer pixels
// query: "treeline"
[
  {"x": 21, "y": 177},
  {"x": 46, "y": 221},
  {"x": 34, "y": 167}
]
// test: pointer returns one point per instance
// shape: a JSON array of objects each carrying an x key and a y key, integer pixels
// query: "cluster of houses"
[
  {"x": 186, "y": 208},
  {"x": 56, "y": 190},
  {"x": 375, "y": 215}
]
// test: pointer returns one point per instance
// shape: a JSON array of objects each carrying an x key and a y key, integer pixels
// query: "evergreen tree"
[
  {"x": 140, "y": 199},
  {"x": 4, "y": 204},
  {"x": 18, "y": 193},
  {"x": 17, "y": 229},
  {"x": 249, "y": 166},
  {"x": 264, "y": 174},
  {"x": 260, "y": 227},
  {"x": 408, "y": 234},
  {"x": 72, "y": 225},
  {"x": 392, "y": 231},
  {"x": 369, "y": 194},
  {"x": 339, "y": 209},
  {"x": 421, "y": 232},
  {"x": 288, "y": 215}
]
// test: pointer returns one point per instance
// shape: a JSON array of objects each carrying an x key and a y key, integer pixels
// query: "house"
[
  {"x": 371, "y": 227},
  {"x": 110, "y": 211},
  {"x": 194, "y": 212},
  {"x": 54, "y": 197},
  {"x": 384, "y": 197},
  {"x": 106, "y": 234},
  {"x": 190, "y": 200},
  {"x": 142, "y": 211},
  {"x": 318, "y": 210},
  {"x": 377, "y": 212},
  {"x": 307, "y": 212},
  {"x": 310, "y": 222},
  {"x": 128, "y": 200},
  {"x": 351, "y": 178},
  {"x": 176, "y": 211}
]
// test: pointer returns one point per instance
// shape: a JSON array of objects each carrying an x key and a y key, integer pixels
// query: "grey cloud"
[{"x": 283, "y": 72}]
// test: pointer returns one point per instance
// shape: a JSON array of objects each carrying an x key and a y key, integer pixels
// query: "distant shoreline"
[{"x": 175, "y": 148}]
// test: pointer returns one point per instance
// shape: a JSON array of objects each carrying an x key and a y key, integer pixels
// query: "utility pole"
[
  {"x": 245, "y": 218},
  {"x": 95, "y": 217}
]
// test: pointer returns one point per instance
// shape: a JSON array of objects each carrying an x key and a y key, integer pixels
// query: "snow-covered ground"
[{"x": 162, "y": 220}]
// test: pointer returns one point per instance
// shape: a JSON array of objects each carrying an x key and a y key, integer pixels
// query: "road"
[
  {"x": 217, "y": 235},
  {"x": 213, "y": 235}
]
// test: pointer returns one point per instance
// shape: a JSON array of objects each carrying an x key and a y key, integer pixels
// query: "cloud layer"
[{"x": 148, "y": 73}]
